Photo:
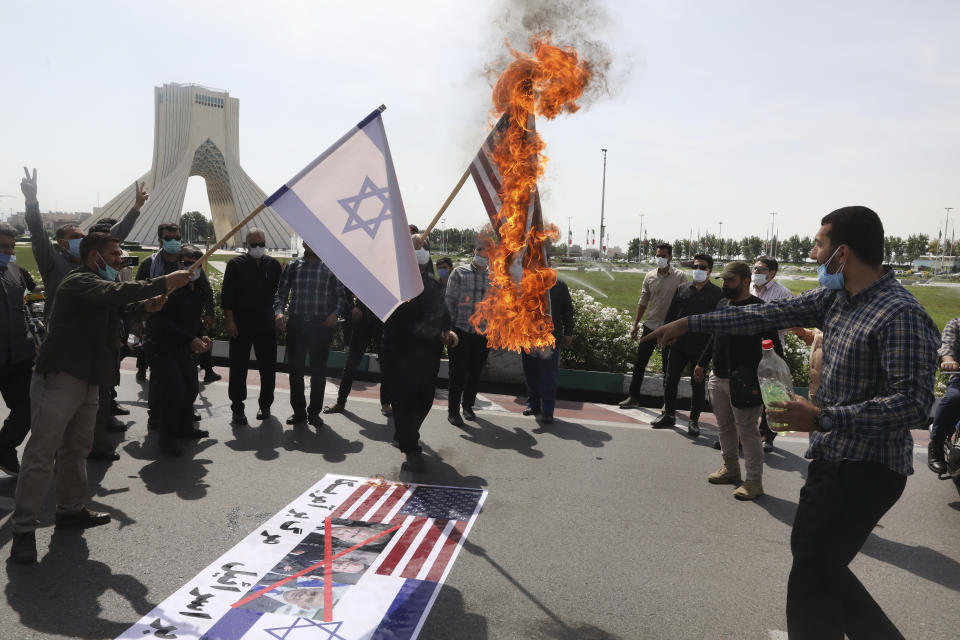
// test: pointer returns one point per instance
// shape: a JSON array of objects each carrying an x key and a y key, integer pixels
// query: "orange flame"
[{"x": 515, "y": 315}]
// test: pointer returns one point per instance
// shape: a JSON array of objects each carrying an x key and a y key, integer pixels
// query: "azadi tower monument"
[{"x": 196, "y": 132}]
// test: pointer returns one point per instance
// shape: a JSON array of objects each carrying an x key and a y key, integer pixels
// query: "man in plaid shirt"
[
  {"x": 466, "y": 287},
  {"x": 879, "y": 359},
  {"x": 315, "y": 296}
]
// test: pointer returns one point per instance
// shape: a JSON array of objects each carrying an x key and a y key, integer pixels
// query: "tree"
[
  {"x": 893, "y": 250},
  {"x": 751, "y": 247},
  {"x": 915, "y": 246},
  {"x": 194, "y": 227},
  {"x": 790, "y": 249},
  {"x": 731, "y": 247},
  {"x": 633, "y": 249}
]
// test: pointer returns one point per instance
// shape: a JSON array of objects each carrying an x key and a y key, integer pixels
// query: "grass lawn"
[{"x": 623, "y": 291}]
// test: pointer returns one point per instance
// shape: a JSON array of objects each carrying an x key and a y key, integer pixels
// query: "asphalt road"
[{"x": 592, "y": 529}]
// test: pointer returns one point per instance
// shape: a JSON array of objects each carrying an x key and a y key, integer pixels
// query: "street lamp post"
[
  {"x": 773, "y": 239},
  {"x": 603, "y": 194},
  {"x": 443, "y": 235},
  {"x": 640, "y": 243}
]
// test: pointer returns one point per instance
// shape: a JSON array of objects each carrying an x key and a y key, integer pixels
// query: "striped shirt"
[
  {"x": 879, "y": 360},
  {"x": 466, "y": 287},
  {"x": 311, "y": 287}
]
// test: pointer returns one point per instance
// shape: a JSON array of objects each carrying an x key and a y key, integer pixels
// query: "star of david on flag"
[
  {"x": 327, "y": 630},
  {"x": 346, "y": 206}
]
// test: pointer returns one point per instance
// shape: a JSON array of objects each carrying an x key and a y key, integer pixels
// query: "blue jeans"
[
  {"x": 540, "y": 374},
  {"x": 947, "y": 414}
]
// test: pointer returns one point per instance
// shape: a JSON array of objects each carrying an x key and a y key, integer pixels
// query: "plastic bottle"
[{"x": 776, "y": 382}]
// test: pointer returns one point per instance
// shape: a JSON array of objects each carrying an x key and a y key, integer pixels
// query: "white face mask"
[
  {"x": 699, "y": 275},
  {"x": 482, "y": 262},
  {"x": 423, "y": 256},
  {"x": 759, "y": 279},
  {"x": 257, "y": 252},
  {"x": 662, "y": 262}
]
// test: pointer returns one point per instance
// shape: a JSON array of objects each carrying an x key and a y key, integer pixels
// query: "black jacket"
[
  {"x": 16, "y": 345},
  {"x": 249, "y": 289},
  {"x": 561, "y": 307},
  {"x": 689, "y": 301},
  {"x": 733, "y": 351},
  {"x": 179, "y": 321},
  {"x": 417, "y": 324}
]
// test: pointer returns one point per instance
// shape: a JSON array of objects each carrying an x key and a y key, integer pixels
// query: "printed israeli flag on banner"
[{"x": 346, "y": 206}]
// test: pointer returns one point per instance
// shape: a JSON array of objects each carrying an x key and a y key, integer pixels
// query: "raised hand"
[
  {"x": 28, "y": 186},
  {"x": 141, "y": 196}
]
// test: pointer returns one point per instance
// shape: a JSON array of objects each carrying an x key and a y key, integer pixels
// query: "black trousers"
[
  {"x": 466, "y": 362},
  {"x": 307, "y": 336},
  {"x": 205, "y": 360},
  {"x": 15, "y": 389},
  {"x": 644, "y": 351},
  {"x": 840, "y": 504},
  {"x": 177, "y": 388},
  {"x": 360, "y": 335},
  {"x": 675, "y": 366},
  {"x": 412, "y": 377},
  {"x": 264, "y": 343}
]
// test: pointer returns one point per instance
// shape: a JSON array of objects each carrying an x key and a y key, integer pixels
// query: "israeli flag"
[{"x": 346, "y": 205}]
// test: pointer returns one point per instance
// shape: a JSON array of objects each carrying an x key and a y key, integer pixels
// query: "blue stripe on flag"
[
  {"x": 350, "y": 270},
  {"x": 232, "y": 625},
  {"x": 276, "y": 195},
  {"x": 403, "y": 616},
  {"x": 368, "y": 119},
  {"x": 373, "y": 127}
]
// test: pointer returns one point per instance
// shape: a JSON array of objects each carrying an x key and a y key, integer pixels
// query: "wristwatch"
[{"x": 824, "y": 422}]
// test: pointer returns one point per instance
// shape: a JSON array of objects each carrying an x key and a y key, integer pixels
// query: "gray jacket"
[{"x": 53, "y": 263}]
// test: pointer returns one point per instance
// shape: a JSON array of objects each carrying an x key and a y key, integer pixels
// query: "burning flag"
[{"x": 515, "y": 313}]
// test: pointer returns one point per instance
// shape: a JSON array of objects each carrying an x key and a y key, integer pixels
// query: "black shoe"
[
  {"x": 297, "y": 418},
  {"x": 9, "y": 464},
  {"x": 664, "y": 421},
  {"x": 115, "y": 426},
  {"x": 531, "y": 412},
  {"x": 263, "y": 414},
  {"x": 23, "y": 549},
  {"x": 415, "y": 462},
  {"x": 117, "y": 410},
  {"x": 455, "y": 420},
  {"x": 693, "y": 428},
  {"x": 82, "y": 519},
  {"x": 315, "y": 420},
  {"x": 109, "y": 456},
  {"x": 768, "y": 439},
  {"x": 935, "y": 459},
  {"x": 196, "y": 417},
  {"x": 386, "y": 410},
  {"x": 194, "y": 433},
  {"x": 211, "y": 376},
  {"x": 468, "y": 413},
  {"x": 716, "y": 445},
  {"x": 546, "y": 419},
  {"x": 239, "y": 418},
  {"x": 141, "y": 375},
  {"x": 337, "y": 407}
]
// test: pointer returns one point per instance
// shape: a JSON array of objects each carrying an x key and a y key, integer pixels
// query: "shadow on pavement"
[
  {"x": 449, "y": 619},
  {"x": 783, "y": 460},
  {"x": 183, "y": 475},
  {"x": 327, "y": 442},
  {"x": 554, "y": 626},
  {"x": 378, "y": 431},
  {"x": 67, "y": 580},
  {"x": 566, "y": 430},
  {"x": 263, "y": 439},
  {"x": 490, "y": 435},
  {"x": 437, "y": 472}
]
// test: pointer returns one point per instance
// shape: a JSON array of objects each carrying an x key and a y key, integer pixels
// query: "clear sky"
[{"x": 720, "y": 111}]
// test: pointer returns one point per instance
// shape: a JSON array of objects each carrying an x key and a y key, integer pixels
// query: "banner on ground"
[
  {"x": 350, "y": 559},
  {"x": 346, "y": 206}
]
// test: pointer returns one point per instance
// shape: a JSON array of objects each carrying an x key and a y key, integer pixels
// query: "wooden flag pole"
[
  {"x": 219, "y": 243},
  {"x": 446, "y": 203}
]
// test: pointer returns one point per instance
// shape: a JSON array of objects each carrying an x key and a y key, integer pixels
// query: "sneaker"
[
  {"x": 749, "y": 490},
  {"x": 530, "y": 411},
  {"x": 725, "y": 475},
  {"x": 82, "y": 518},
  {"x": 693, "y": 428},
  {"x": 935, "y": 459},
  {"x": 386, "y": 410},
  {"x": 23, "y": 549},
  {"x": 211, "y": 376},
  {"x": 664, "y": 421},
  {"x": 9, "y": 463},
  {"x": 336, "y": 407},
  {"x": 455, "y": 420},
  {"x": 630, "y": 403}
]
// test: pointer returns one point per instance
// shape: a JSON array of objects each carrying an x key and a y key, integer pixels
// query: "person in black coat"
[
  {"x": 413, "y": 339},
  {"x": 173, "y": 341},
  {"x": 540, "y": 369}
]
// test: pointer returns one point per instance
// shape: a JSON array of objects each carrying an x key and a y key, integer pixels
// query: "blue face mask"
[
  {"x": 443, "y": 273},
  {"x": 5, "y": 259},
  {"x": 74, "y": 247},
  {"x": 830, "y": 280},
  {"x": 106, "y": 271},
  {"x": 172, "y": 246}
]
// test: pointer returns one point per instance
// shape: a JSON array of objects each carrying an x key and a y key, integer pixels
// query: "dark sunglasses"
[
  {"x": 700, "y": 267},
  {"x": 188, "y": 264},
  {"x": 254, "y": 245},
  {"x": 171, "y": 238}
]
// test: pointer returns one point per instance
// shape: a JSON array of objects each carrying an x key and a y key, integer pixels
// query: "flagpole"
[
  {"x": 446, "y": 203},
  {"x": 219, "y": 243}
]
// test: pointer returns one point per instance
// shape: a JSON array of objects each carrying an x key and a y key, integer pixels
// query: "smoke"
[{"x": 585, "y": 25}]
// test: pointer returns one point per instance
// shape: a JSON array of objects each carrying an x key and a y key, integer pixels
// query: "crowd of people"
[{"x": 875, "y": 352}]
